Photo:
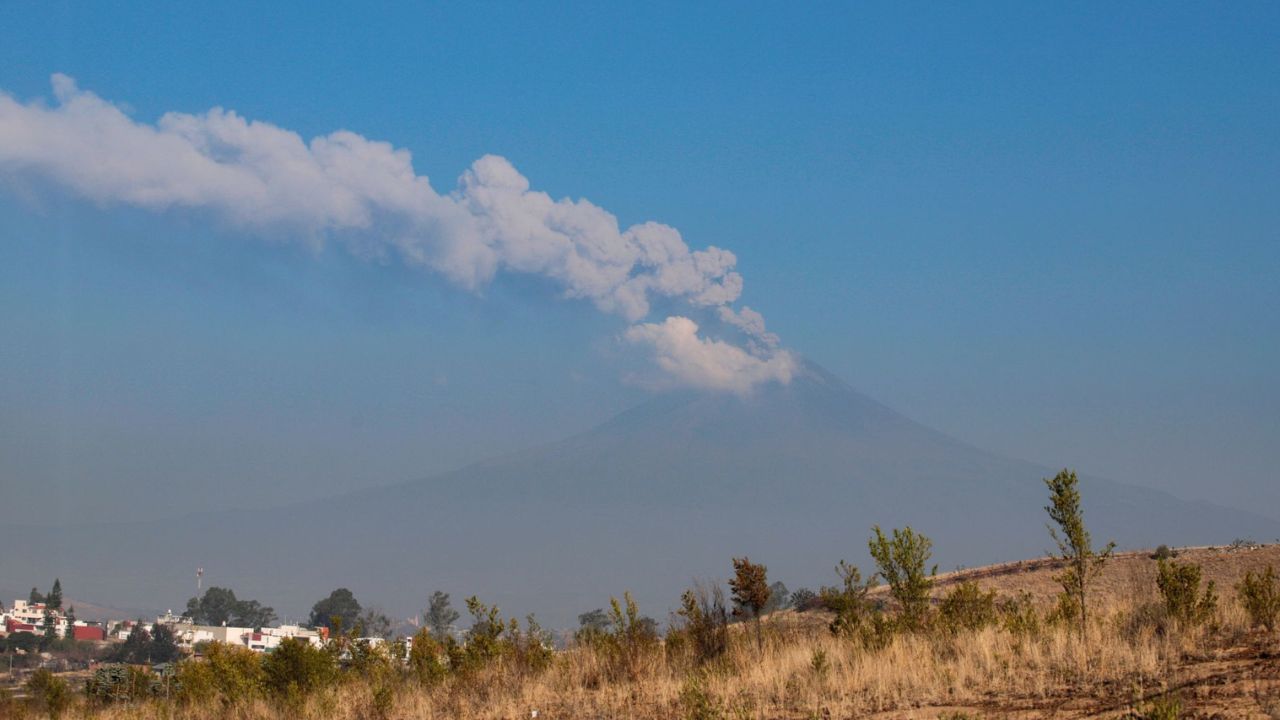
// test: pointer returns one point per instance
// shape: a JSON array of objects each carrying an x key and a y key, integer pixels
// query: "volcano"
[{"x": 793, "y": 475}]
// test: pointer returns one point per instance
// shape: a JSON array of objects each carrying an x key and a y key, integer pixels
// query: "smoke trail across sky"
[{"x": 365, "y": 194}]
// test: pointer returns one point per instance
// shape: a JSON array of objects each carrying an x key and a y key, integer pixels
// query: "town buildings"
[{"x": 26, "y": 616}]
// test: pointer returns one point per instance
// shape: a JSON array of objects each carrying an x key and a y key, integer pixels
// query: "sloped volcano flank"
[{"x": 794, "y": 476}]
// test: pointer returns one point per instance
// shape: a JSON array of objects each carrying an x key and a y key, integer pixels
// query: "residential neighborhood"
[
  {"x": 24, "y": 616},
  {"x": 41, "y": 633}
]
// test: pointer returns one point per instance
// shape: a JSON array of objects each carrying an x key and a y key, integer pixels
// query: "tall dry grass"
[{"x": 802, "y": 672}]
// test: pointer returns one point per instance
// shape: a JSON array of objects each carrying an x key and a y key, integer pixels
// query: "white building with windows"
[
  {"x": 264, "y": 640},
  {"x": 29, "y": 617}
]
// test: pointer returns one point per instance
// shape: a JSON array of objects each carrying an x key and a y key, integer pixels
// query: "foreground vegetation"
[{"x": 1156, "y": 642}]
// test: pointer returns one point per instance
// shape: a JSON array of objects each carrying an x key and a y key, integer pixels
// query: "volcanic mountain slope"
[{"x": 794, "y": 476}]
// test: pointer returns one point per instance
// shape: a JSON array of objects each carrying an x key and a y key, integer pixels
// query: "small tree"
[
  {"x": 71, "y": 624},
  {"x": 164, "y": 645},
  {"x": 25, "y": 641},
  {"x": 440, "y": 615},
  {"x": 1083, "y": 563},
  {"x": 50, "y": 625},
  {"x": 1261, "y": 597},
  {"x": 136, "y": 648},
  {"x": 779, "y": 598},
  {"x": 35, "y": 597},
  {"x": 750, "y": 587},
  {"x": 251, "y": 613},
  {"x": 901, "y": 562},
  {"x": 54, "y": 598},
  {"x": 1179, "y": 585},
  {"x": 215, "y": 607},
  {"x": 339, "y": 610},
  {"x": 849, "y": 601},
  {"x": 218, "y": 606},
  {"x": 592, "y": 626},
  {"x": 374, "y": 623}
]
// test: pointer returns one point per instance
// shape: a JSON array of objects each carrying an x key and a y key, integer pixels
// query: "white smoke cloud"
[
  {"x": 366, "y": 194},
  {"x": 750, "y": 322},
  {"x": 705, "y": 363}
]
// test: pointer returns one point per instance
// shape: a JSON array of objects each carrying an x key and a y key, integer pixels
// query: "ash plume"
[{"x": 365, "y": 195}]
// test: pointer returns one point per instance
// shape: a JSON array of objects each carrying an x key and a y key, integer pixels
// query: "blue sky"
[{"x": 1050, "y": 233}]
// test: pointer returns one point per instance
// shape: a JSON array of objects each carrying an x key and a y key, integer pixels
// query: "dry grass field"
[{"x": 1130, "y": 665}]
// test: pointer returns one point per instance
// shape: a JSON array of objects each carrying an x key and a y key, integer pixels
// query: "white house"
[{"x": 29, "y": 617}]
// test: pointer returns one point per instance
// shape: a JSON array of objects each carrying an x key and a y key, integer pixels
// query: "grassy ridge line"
[{"x": 1047, "y": 561}]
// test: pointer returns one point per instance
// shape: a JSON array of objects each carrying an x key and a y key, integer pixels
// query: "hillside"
[{"x": 1127, "y": 575}]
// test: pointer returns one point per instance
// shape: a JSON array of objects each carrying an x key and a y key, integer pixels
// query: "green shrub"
[
  {"x": 382, "y": 701},
  {"x": 967, "y": 607},
  {"x": 1261, "y": 597},
  {"x": 227, "y": 672},
  {"x": 1066, "y": 610},
  {"x": 483, "y": 644},
  {"x": 370, "y": 660},
  {"x": 118, "y": 683},
  {"x": 297, "y": 667},
  {"x": 1163, "y": 553},
  {"x": 530, "y": 649},
  {"x": 50, "y": 692},
  {"x": 1018, "y": 615},
  {"x": 804, "y": 600},
  {"x": 849, "y": 602},
  {"x": 426, "y": 658},
  {"x": 705, "y": 627},
  {"x": 1163, "y": 707},
  {"x": 1179, "y": 585},
  {"x": 696, "y": 703},
  {"x": 878, "y": 631},
  {"x": 819, "y": 663},
  {"x": 195, "y": 683},
  {"x": 626, "y": 641},
  {"x": 491, "y": 640},
  {"x": 1142, "y": 618}
]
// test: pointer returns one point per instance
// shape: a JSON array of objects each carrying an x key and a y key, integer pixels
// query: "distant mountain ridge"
[{"x": 794, "y": 476}]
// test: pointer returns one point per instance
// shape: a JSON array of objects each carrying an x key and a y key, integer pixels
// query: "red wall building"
[{"x": 89, "y": 632}]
